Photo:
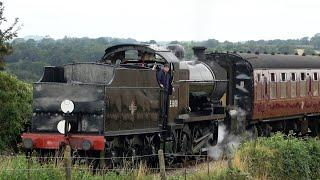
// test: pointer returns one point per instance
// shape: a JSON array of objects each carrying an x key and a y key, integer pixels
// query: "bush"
[
  {"x": 314, "y": 153},
  {"x": 279, "y": 157},
  {"x": 15, "y": 111}
]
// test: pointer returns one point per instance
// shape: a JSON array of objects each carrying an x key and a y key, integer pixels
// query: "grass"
[{"x": 277, "y": 157}]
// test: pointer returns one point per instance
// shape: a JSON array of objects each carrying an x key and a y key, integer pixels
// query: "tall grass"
[
  {"x": 279, "y": 157},
  {"x": 19, "y": 168}
]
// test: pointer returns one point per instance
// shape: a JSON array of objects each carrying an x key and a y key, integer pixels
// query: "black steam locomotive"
[{"x": 115, "y": 106}]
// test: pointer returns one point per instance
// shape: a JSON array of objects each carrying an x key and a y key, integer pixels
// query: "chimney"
[{"x": 198, "y": 51}]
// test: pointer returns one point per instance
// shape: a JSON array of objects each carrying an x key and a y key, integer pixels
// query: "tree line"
[{"x": 29, "y": 56}]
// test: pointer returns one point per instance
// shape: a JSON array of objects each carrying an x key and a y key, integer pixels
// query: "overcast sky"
[{"x": 166, "y": 20}]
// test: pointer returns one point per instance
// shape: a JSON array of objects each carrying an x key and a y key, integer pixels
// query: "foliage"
[
  {"x": 28, "y": 71},
  {"x": 280, "y": 157},
  {"x": 315, "y": 41},
  {"x": 277, "y": 157},
  {"x": 6, "y": 34},
  {"x": 262, "y": 46},
  {"x": 29, "y": 55},
  {"x": 15, "y": 103}
]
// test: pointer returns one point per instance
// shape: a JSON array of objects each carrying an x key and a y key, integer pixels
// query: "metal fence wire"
[{"x": 68, "y": 163}]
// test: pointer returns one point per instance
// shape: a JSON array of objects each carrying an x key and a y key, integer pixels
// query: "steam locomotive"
[{"x": 116, "y": 104}]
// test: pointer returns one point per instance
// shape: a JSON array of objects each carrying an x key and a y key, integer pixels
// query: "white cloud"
[{"x": 233, "y": 20}]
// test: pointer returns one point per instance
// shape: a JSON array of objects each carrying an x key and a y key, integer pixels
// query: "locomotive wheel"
[
  {"x": 255, "y": 131},
  {"x": 171, "y": 148},
  {"x": 151, "y": 147},
  {"x": 184, "y": 146},
  {"x": 133, "y": 161},
  {"x": 315, "y": 128},
  {"x": 197, "y": 133},
  {"x": 45, "y": 155},
  {"x": 185, "y": 143},
  {"x": 268, "y": 129}
]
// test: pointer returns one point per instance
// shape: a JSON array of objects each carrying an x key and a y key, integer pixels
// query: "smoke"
[
  {"x": 216, "y": 152},
  {"x": 228, "y": 142}
]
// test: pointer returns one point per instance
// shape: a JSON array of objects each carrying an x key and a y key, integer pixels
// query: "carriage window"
[
  {"x": 303, "y": 76},
  {"x": 258, "y": 77},
  {"x": 273, "y": 77},
  {"x": 293, "y": 76},
  {"x": 283, "y": 77},
  {"x": 315, "y": 76}
]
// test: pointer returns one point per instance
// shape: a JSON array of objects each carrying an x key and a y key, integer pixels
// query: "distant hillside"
[
  {"x": 34, "y": 37},
  {"x": 29, "y": 55}
]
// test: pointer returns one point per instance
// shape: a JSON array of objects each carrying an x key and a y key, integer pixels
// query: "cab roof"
[{"x": 166, "y": 54}]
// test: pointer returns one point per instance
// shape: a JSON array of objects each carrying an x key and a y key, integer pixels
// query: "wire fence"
[
  {"x": 109, "y": 158},
  {"x": 128, "y": 164}
]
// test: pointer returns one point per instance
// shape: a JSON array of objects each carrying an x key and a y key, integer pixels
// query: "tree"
[
  {"x": 6, "y": 34},
  {"x": 315, "y": 40},
  {"x": 174, "y": 42},
  {"x": 211, "y": 43},
  {"x": 15, "y": 111},
  {"x": 152, "y": 42}
]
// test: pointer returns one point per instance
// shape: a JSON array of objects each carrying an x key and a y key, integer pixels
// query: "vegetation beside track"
[
  {"x": 276, "y": 157},
  {"x": 15, "y": 110}
]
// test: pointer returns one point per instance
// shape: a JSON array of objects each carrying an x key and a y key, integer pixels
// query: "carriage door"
[
  {"x": 293, "y": 84},
  {"x": 264, "y": 82},
  {"x": 258, "y": 85},
  {"x": 309, "y": 82},
  {"x": 273, "y": 84},
  {"x": 315, "y": 85}
]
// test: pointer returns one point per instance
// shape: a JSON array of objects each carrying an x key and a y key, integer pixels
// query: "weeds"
[{"x": 277, "y": 157}]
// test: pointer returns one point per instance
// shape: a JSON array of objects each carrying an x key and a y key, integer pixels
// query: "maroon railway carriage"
[{"x": 277, "y": 92}]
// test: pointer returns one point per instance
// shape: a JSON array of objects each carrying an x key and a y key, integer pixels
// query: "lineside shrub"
[
  {"x": 279, "y": 157},
  {"x": 15, "y": 109}
]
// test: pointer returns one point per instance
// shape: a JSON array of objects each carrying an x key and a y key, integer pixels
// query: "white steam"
[
  {"x": 227, "y": 141},
  {"x": 227, "y": 144}
]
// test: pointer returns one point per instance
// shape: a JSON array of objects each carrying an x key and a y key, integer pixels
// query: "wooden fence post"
[
  {"x": 67, "y": 162},
  {"x": 29, "y": 165},
  {"x": 162, "y": 165},
  {"x": 102, "y": 160},
  {"x": 208, "y": 167}
]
